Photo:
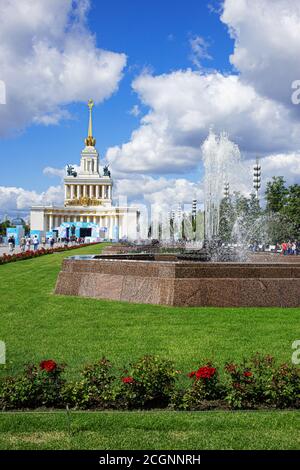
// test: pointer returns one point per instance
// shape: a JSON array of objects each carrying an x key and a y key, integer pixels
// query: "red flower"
[
  {"x": 205, "y": 372},
  {"x": 191, "y": 374},
  {"x": 247, "y": 374},
  {"x": 48, "y": 365},
  {"x": 128, "y": 380}
]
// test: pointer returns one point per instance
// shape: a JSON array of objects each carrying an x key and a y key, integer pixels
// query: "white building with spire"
[{"x": 88, "y": 210}]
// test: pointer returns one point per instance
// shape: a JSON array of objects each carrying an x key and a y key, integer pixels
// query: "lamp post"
[
  {"x": 257, "y": 177},
  {"x": 226, "y": 190}
]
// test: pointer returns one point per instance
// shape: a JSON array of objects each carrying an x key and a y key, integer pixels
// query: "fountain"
[{"x": 211, "y": 274}]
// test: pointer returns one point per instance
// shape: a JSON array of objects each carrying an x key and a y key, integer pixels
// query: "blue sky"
[
  {"x": 185, "y": 67},
  {"x": 153, "y": 35}
]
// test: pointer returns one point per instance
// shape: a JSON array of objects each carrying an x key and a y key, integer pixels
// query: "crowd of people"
[
  {"x": 28, "y": 243},
  {"x": 292, "y": 247}
]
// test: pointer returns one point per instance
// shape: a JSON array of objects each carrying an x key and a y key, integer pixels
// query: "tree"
[
  {"x": 3, "y": 226},
  {"x": 276, "y": 194},
  {"x": 291, "y": 208},
  {"x": 227, "y": 219}
]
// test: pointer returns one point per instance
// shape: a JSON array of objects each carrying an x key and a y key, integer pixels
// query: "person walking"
[
  {"x": 28, "y": 243},
  {"x": 23, "y": 244},
  {"x": 35, "y": 243},
  {"x": 51, "y": 242},
  {"x": 284, "y": 247},
  {"x": 11, "y": 245}
]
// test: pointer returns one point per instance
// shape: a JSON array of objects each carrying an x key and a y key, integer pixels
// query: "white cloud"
[
  {"x": 135, "y": 110},
  {"x": 266, "y": 48},
  {"x": 254, "y": 107},
  {"x": 286, "y": 165},
  {"x": 50, "y": 171},
  {"x": 183, "y": 106},
  {"x": 161, "y": 193},
  {"x": 12, "y": 198},
  {"x": 199, "y": 47},
  {"x": 46, "y": 52},
  {"x": 2, "y": 92}
]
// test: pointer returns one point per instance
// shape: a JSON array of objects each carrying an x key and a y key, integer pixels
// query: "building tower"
[
  {"x": 88, "y": 187},
  {"x": 257, "y": 177}
]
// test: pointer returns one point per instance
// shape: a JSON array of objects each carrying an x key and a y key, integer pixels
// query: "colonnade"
[
  {"x": 98, "y": 191},
  {"x": 108, "y": 221}
]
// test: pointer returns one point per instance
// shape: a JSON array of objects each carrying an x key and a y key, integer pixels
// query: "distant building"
[{"x": 88, "y": 210}]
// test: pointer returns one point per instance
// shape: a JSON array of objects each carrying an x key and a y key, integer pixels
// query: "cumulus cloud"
[
  {"x": 184, "y": 104},
  {"x": 46, "y": 52},
  {"x": 2, "y": 92},
  {"x": 286, "y": 165},
  {"x": 12, "y": 198},
  {"x": 266, "y": 47},
  {"x": 162, "y": 193},
  {"x": 253, "y": 105}
]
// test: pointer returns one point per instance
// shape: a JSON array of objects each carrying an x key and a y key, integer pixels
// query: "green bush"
[
  {"x": 147, "y": 383},
  {"x": 36, "y": 387},
  {"x": 260, "y": 382},
  {"x": 95, "y": 389},
  {"x": 152, "y": 382},
  {"x": 205, "y": 387}
]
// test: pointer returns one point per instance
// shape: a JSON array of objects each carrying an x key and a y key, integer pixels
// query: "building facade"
[{"x": 88, "y": 210}]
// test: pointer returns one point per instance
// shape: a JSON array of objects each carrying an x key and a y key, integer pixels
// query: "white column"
[
  {"x": 94, "y": 219},
  {"x": 50, "y": 222},
  {"x": 103, "y": 189},
  {"x": 111, "y": 227},
  {"x": 91, "y": 190},
  {"x": 65, "y": 191},
  {"x": 117, "y": 224},
  {"x": 120, "y": 226},
  {"x": 78, "y": 191},
  {"x": 97, "y": 191},
  {"x": 72, "y": 191},
  {"x": 84, "y": 190}
]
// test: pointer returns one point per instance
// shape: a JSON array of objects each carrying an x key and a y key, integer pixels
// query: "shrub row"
[
  {"x": 40, "y": 252},
  {"x": 152, "y": 382}
]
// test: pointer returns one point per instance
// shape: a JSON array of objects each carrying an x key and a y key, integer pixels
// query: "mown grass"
[
  {"x": 150, "y": 430},
  {"x": 36, "y": 324}
]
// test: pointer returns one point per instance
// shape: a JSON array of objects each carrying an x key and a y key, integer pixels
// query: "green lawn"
[
  {"x": 150, "y": 430},
  {"x": 36, "y": 324}
]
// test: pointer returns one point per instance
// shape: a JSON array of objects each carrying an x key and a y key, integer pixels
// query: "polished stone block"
[{"x": 181, "y": 283}]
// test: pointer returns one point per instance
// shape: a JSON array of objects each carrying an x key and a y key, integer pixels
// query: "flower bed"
[
  {"x": 40, "y": 252},
  {"x": 152, "y": 382}
]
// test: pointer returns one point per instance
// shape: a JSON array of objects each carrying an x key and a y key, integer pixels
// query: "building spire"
[{"x": 90, "y": 141}]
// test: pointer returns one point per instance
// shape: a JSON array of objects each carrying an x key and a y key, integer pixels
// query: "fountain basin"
[{"x": 169, "y": 280}]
